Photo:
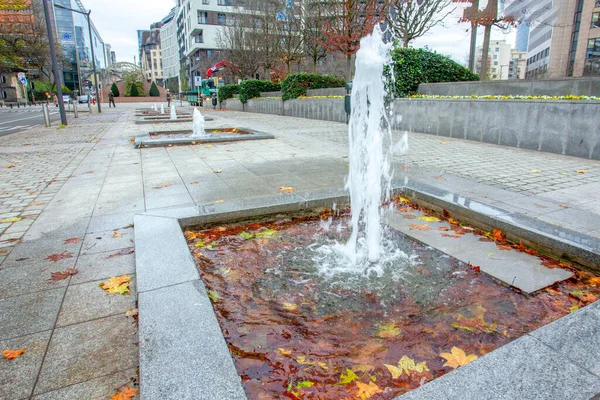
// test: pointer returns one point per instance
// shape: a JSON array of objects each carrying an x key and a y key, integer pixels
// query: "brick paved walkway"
[{"x": 86, "y": 182}]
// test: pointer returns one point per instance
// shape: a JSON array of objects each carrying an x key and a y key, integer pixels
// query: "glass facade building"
[{"x": 73, "y": 35}]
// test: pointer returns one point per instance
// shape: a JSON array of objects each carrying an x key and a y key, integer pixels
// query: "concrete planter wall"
[
  {"x": 548, "y": 87},
  {"x": 563, "y": 127}
]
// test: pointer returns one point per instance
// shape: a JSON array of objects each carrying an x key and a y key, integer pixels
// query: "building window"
[
  {"x": 595, "y": 20},
  {"x": 497, "y": 49},
  {"x": 221, "y": 19},
  {"x": 222, "y": 2},
  {"x": 495, "y": 62},
  {"x": 199, "y": 38},
  {"x": 202, "y": 17},
  {"x": 495, "y": 56},
  {"x": 205, "y": 1}
]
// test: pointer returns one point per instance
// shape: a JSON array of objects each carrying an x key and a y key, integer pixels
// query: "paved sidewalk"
[{"x": 73, "y": 188}]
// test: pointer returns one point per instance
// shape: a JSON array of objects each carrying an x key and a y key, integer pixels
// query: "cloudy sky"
[{"x": 118, "y": 21}]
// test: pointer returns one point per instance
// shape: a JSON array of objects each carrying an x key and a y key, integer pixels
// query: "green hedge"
[
  {"x": 253, "y": 87},
  {"x": 115, "y": 90},
  {"x": 295, "y": 85},
  {"x": 41, "y": 88},
  {"x": 414, "y": 66},
  {"x": 227, "y": 91},
  {"x": 154, "y": 90}
]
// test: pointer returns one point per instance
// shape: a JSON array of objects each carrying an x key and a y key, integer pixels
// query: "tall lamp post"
[
  {"x": 87, "y": 14},
  {"x": 56, "y": 71}
]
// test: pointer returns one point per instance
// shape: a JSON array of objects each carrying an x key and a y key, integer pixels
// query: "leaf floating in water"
[
  {"x": 457, "y": 358},
  {"x": 290, "y": 306},
  {"x": 350, "y": 376},
  {"x": 214, "y": 296},
  {"x": 406, "y": 365},
  {"x": 367, "y": 391},
  {"x": 389, "y": 330},
  {"x": 284, "y": 352},
  {"x": 580, "y": 171},
  {"x": 304, "y": 384},
  {"x": 268, "y": 234},
  {"x": 247, "y": 235},
  {"x": 535, "y": 171}
]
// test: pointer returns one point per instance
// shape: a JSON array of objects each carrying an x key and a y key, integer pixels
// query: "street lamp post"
[
  {"x": 87, "y": 14},
  {"x": 56, "y": 71}
]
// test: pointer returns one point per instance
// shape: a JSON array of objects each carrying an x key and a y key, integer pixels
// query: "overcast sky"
[{"x": 117, "y": 22}]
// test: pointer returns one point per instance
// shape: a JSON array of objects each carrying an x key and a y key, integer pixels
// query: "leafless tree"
[
  {"x": 312, "y": 33},
  {"x": 289, "y": 40},
  {"x": 411, "y": 19},
  {"x": 241, "y": 42}
]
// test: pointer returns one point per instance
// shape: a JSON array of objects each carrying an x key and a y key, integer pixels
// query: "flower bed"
[{"x": 500, "y": 97}]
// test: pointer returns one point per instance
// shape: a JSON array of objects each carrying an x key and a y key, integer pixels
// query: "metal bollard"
[
  {"x": 46, "y": 115},
  {"x": 75, "y": 111}
]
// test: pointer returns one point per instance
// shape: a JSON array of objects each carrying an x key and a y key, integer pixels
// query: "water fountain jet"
[
  {"x": 173, "y": 112},
  {"x": 197, "y": 124}
]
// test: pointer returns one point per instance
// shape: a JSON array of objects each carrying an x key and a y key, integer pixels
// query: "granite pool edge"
[
  {"x": 183, "y": 352},
  {"x": 143, "y": 139}
]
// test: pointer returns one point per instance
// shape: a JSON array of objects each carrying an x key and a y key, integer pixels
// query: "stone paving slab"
[{"x": 168, "y": 371}]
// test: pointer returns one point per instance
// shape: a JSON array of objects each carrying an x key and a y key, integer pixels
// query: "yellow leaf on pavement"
[
  {"x": 7, "y": 220},
  {"x": 117, "y": 284},
  {"x": 288, "y": 189},
  {"x": 457, "y": 358},
  {"x": 429, "y": 218},
  {"x": 218, "y": 171},
  {"x": 580, "y": 171},
  {"x": 116, "y": 234},
  {"x": 535, "y": 171}
]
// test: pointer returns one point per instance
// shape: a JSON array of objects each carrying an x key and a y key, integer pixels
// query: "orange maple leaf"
[
  {"x": 497, "y": 235},
  {"x": 125, "y": 394},
  {"x": 10, "y": 354},
  {"x": 457, "y": 358},
  {"x": 366, "y": 391}
]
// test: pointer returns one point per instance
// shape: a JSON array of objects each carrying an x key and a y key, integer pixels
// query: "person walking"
[
  {"x": 111, "y": 99},
  {"x": 55, "y": 99},
  {"x": 168, "y": 99}
]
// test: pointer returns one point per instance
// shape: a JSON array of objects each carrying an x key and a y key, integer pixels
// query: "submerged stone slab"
[
  {"x": 179, "y": 137},
  {"x": 513, "y": 267},
  {"x": 183, "y": 354}
]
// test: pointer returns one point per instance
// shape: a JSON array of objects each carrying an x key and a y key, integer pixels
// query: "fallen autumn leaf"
[
  {"x": 11, "y": 354},
  {"x": 59, "y": 276}
]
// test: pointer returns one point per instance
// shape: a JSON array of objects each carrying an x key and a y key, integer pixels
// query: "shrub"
[
  {"x": 227, "y": 91},
  {"x": 295, "y": 85},
  {"x": 115, "y": 90},
  {"x": 133, "y": 91},
  {"x": 251, "y": 88},
  {"x": 42, "y": 87},
  {"x": 154, "y": 90},
  {"x": 413, "y": 66}
]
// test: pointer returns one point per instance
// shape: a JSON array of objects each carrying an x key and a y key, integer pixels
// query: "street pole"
[
  {"x": 94, "y": 61},
  {"x": 57, "y": 77}
]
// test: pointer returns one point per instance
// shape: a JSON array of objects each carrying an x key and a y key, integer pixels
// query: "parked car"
[
  {"x": 84, "y": 98},
  {"x": 66, "y": 98}
]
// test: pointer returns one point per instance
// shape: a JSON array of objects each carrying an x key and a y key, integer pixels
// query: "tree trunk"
[
  {"x": 484, "y": 56},
  {"x": 348, "y": 67},
  {"x": 405, "y": 42},
  {"x": 473, "y": 49},
  {"x": 288, "y": 67},
  {"x": 315, "y": 64}
]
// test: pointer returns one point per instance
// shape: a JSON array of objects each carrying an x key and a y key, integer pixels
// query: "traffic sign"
[{"x": 22, "y": 78}]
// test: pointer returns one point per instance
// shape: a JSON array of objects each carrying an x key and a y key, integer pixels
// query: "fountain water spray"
[
  {"x": 173, "y": 112},
  {"x": 198, "y": 123},
  {"x": 154, "y": 107},
  {"x": 162, "y": 109},
  {"x": 369, "y": 178}
]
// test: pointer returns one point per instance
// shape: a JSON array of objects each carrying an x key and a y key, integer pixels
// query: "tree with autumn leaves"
[{"x": 346, "y": 22}]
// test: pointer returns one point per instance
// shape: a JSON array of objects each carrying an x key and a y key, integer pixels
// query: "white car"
[{"x": 66, "y": 98}]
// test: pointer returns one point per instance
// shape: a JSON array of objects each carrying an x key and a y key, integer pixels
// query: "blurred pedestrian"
[{"x": 111, "y": 99}]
